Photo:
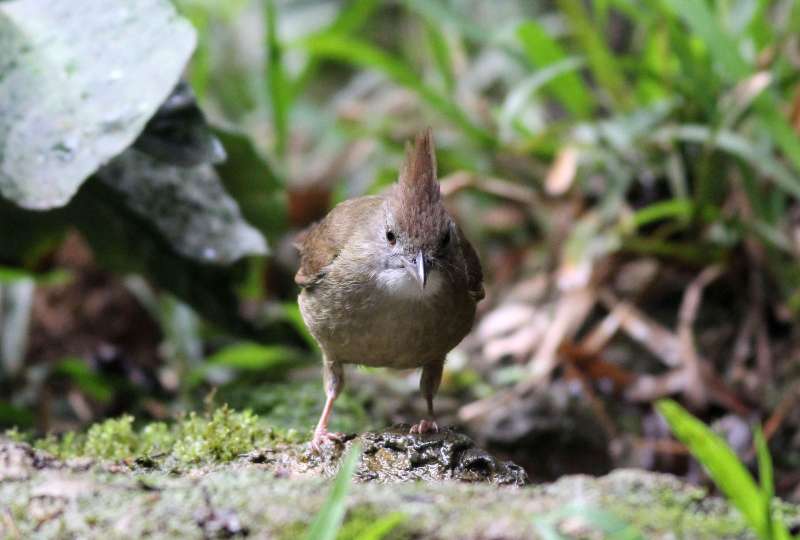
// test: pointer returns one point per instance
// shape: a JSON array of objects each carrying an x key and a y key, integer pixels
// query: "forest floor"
[{"x": 276, "y": 490}]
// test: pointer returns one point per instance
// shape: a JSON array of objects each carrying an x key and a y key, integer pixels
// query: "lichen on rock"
[
  {"x": 438, "y": 485},
  {"x": 395, "y": 455},
  {"x": 43, "y": 497}
]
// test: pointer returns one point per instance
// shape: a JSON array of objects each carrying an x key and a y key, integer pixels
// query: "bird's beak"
[
  {"x": 422, "y": 274},
  {"x": 420, "y": 270}
]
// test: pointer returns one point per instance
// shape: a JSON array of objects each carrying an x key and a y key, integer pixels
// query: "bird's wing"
[
  {"x": 321, "y": 243},
  {"x": 473, "y": 267}
]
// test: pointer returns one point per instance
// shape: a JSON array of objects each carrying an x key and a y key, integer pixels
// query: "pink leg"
[
  {"x": 321, "y": 433},
  {"x": 429, "y": 384},
  {"x": 425, "y": 426},
  {"x": 334, "y": 380}
]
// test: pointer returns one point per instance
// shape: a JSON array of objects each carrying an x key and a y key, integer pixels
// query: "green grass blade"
[
  {"x": 654, "y": 68},
  {"x": 724, "y": 50},
  {"x": 680, "y": 209},
  {"x": 327, "y": 522},
  {"x": 59, "y": 276},
  {"x": 721, "y": 463},
  {"x": 777, "y": 528},
  {"x": 760, "y": 28},
  {"x": 247, "y": 357},
  {"x": 601, "y": 60},
  {"x": 436, "y": 13},
  {"x": 765, "y": 475},
  {"x": 693, "y": 253},
  {"x": 277, "y": 81},
  {"x": 363, "y": 54},
  {"x": 252, "y": 356},
  {"x": 734, "y": 144},
  {"x": 200, "y": 65},
  {"x": 519, "y": 95},
  {"x": 90, "y": 383},
  {"x": 701, "y": 21},
  {"x": 780, "y": 130},
  {"x": 352, "y": 17},
  {"x": 631, "y": 8},
  {"x": 542, "y": 50},
  {"x": 441, "y": 56}
]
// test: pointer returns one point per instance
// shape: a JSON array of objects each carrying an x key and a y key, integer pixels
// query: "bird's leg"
[
  {"x": 429, "y": 384},
  {"x": 333, "y": 377}
]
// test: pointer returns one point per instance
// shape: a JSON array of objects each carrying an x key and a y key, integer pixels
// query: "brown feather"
[
  {"x": 321, "y": 243},
  {"x": 472, "y": 266},
  {"x": 416, "y": 199}
]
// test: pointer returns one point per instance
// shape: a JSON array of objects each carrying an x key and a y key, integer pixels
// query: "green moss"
[
  {"x": 113, "y": 439},
  {"x": 217, "y": 436},
  {"x": 687, "y": 520},
  {"x": 222, "y": 437},
  {"x": 69, "y": 445},
  {"x": 157, "y": 438},
  {"x": 14, "y": 434},
  {"x": 686, "y": 510}
]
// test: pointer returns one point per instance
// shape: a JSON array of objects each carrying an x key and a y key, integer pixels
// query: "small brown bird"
[{"x": 389, "y": 281}]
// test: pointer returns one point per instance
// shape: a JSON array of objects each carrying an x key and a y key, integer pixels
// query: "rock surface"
[
  {"x": 276, "y": 492},
  {"x": 394, "y": 455}
]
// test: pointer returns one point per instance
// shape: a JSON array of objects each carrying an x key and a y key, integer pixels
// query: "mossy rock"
[{"x": 275, "y": 492}]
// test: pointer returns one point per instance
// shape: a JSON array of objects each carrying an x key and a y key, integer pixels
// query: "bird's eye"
[
  {"x": 446, "y": 238},
  {"x": 391, "y": 238}
]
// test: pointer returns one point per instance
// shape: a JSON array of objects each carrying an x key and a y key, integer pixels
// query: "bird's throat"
[{"x": 398, "y": 282}]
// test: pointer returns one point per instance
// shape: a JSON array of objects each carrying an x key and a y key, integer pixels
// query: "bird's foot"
[
  {"x": 321, "y": 436},
  {"x": 425, "y": 426}
]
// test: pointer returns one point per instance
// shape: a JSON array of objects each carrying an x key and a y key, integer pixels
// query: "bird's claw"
[
  {"x": 425, "y": 426},
  {"x": 323, "y": 436}
]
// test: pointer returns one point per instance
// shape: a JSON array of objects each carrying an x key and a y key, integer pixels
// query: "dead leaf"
[
  {"x": 571, "y": 311},
  {"x": 562, "y": 173}
]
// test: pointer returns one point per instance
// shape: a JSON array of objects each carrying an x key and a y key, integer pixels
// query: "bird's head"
[{"x": 419, "y": 233}]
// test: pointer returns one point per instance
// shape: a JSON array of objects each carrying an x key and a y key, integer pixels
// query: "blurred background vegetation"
[{"x": 628, "y": 169}]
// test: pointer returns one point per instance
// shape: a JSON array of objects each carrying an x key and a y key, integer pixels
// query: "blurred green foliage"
[
  {"x": 686, "y": 101},
  {"x": 756, "y": 502}
]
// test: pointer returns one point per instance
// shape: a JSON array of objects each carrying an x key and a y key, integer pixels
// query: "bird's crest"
[{"x": 416, "y": 199}]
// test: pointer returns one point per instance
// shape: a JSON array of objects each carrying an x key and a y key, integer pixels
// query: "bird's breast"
[{"x": 389, "y": 320}]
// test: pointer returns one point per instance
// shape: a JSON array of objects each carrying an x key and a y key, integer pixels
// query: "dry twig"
[
  {"x": 694, "y": 390},
  {"x": 458, "y": 181}
]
